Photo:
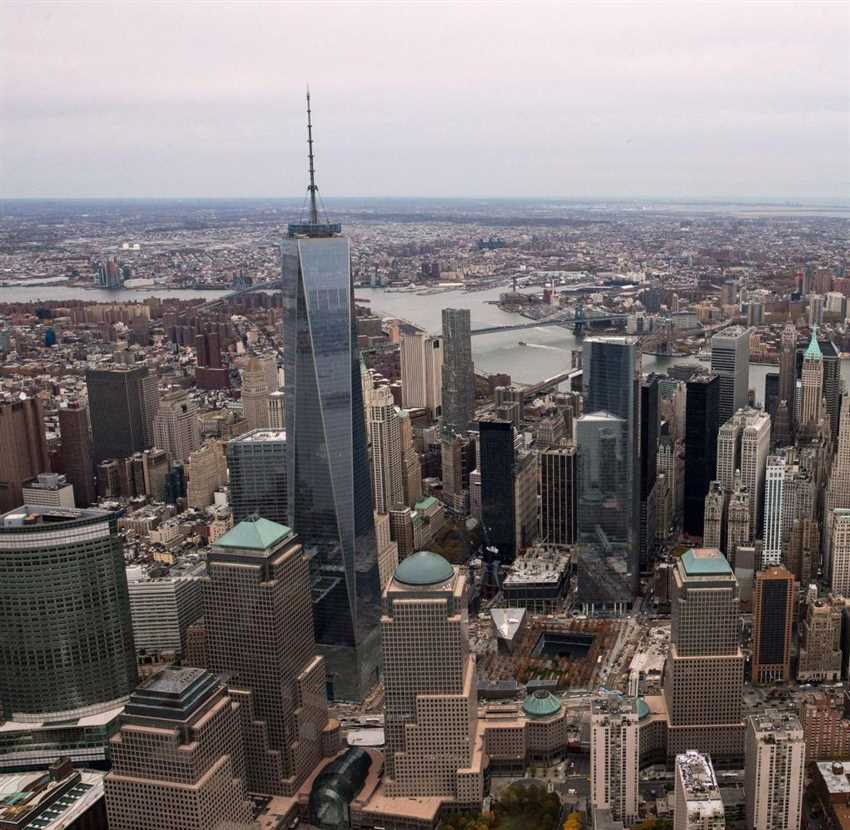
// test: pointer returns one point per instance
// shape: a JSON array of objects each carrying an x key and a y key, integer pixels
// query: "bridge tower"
[{"x": 580, "y": 320}]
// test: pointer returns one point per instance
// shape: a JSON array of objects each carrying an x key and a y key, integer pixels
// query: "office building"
[
  {"x": 701, "y": 423},
  {"x": 615, "y": 755},
  {"x": 811, "y": 385},
  {"x": 48, "y": 490},
  {"x": 256, "y": 465},
  {"x": 839, "y": 552},
  {"x": 206, "y": 473},
  {"x": 498, "y": 457},
  {"x": 771, "y": 393},
  {"x": 178, "y": 759},
  {"x": 820, "y": 639},
  {"x": 161, "y": 609},
  {"x": 612, "y": 384},
  {"x": 328, "y": 466},
  {"x": 411, "y": 468},
  {"x": 774, "y": 603},
  {"x": 458, "y": 374},
  {"x": 65, "y": 616},
  {"x": 774, "y": 498},
  {"x": 788, "y": 365},
  {"x": 604, "y": 526},
  {"x": 743, "y": 443},
  {"x": 257, "y": 608},
  {"x": 277, "y": 413},
  {"x": 558, "y": 495},
  {"x": 255, "y": 394},
  {"x": 831, "y": 358},
  {"x": 433, "y": 746},
  {"x": 838, "y": 488},
  {"x": 385, "y": 437},
  {"x": 176, "y": 428},
  {"x": 387, "y": 548},
  {"x": 698, "y": 805},
  {"x": 458, "y": 460},
  {"x": 704, "y": 674},
  {"x": 804, "y": 550},
  {"x": 422, "y": 372},
  {"x": 76, "y": 452},
  {"x": 119, "y": 410},
  {"x": 714, "y": 522},
  {"x": 649, "y": 421},
  {"x": 774, "y": 772},
  {"x": 23, "y": 448},
  {"x": 730, "y": 361}
]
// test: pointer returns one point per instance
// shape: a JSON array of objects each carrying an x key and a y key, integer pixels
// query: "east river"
[{"x": 546, "y": 353}]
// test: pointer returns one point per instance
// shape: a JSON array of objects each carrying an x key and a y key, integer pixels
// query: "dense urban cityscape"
[{"x": 398, "y": 513}]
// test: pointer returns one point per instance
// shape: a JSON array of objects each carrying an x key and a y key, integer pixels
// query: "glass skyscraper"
[
  {"x": 328, "y": 483},
  {"x": 612, "y": 388}
]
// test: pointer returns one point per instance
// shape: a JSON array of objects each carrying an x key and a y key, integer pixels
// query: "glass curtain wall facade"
[
  {"x": 605, "y": 514},
  {"x": 328, "y": 483}
]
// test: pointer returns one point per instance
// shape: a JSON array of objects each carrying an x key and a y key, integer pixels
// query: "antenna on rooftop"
[{"x": 312, "y": 188}]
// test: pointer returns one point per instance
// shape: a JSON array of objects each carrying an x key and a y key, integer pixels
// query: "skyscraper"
[
  {"x": 775, "y": 771},
  {"x": 23, "y": 449},
  {"x": 498, "y": 456},
  {"x": 277, "y": 412},
  {"x": 256, "y": 463},
  {"x": 258, "y": 613},
  {"x": 118, "y": 410},
  {"x": 743, "y": 443},
  {"x": 179, "y": 758},
  {"x": 255, "y": 394},
  {"x": 820, "y": 639},
  {"x": 838, "y": 489},
  {"x": 788, "y": 365},
  {"x": 433, "y": 746},
  {"x": 649, "y": 397},
  {"x": 714, "y": 524},
  {"x": 774, "y": 601},
  {"x": 330, "y": 503},
  {"x": 458, "y": 371},
  {"x": 422, "y": 372},
  {"x": 77, "y": 452},
  {"x": 773, "y": 510},
  {"x": 839, "y": 551},
  {"x": 175, "y": 427},
  {"x": 612, "y": 378},
  {"x": 558, "y": 495},
  {"x": 65, "y": 616},
  {"x": 615, "y": 755},
  {"x": 811, "y": 380},
  {"x": 730, "y": 361},
  {"x": 704, "y": 674},
  {"x": 698, "y": 803},
  {"x": 385, "y": 435},
  {"x": 701, "y": 421},
  {"x": 606, "y": 560}
]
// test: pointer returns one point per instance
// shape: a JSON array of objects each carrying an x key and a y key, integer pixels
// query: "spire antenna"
[{"x": 312, "y": 187}]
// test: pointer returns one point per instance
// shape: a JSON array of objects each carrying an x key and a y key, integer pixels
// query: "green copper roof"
[
  {"x": 253, "y": 534},
  {"x": 642, "y": 708},
  {"x": 424, "y": 504},
  {"x": 541, "y": 704},
  {"x": 705, "y": 562},
  {"x": 813, "y": 351},
  {"x": 424, "y": 568}
]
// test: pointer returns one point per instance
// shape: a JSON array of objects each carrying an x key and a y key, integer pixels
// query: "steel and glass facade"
[{"x": 328, "y": 482}]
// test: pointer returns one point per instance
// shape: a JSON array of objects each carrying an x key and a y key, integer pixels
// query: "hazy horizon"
[{"x": 706, "y": 102}]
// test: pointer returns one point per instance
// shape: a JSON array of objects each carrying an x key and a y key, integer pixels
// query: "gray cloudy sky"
[{"x": 426, "y": 98}]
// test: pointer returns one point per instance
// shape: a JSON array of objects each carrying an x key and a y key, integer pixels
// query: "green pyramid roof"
[
  {"x": 541, "y": 704},
  {"x": 813, "y": 351},
  {"x": 253, "y": 534}
]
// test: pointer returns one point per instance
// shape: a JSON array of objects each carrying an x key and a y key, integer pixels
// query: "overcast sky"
[{"x": 426, "y": 99}]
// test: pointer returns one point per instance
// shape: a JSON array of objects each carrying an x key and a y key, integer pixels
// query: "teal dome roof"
[
  {"x": 424, "y": 568},
  {"x": 541, "y": 704},
  {"x": 642, "y": 708}
]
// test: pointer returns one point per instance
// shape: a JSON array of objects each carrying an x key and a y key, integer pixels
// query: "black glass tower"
[
  {"x": 498, "y": 522},
  {"x": 648, "y": 465},
  {"x": 328, "y": 480},
  {"x": 702, "y": 420}
]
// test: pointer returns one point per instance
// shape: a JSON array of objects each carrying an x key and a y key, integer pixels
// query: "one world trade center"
[{"x": 328, "y": 479}]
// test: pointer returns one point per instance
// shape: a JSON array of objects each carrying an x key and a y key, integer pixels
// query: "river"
[{"x": 547, "y": 351}]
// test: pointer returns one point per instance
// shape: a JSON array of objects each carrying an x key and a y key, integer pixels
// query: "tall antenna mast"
[{"x": 312, "y": 187}]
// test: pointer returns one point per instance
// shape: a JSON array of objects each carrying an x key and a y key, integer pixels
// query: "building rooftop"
[
  {"x": 423, "y": 568},
  {"x": 541, "y": 704},
  {"x": 254, "y": 533},
  {"x": 260, "y": 436},
  {"x": 705, "y": 562},
  {"x": 172, "y": 694},
  {"x": 813, "y": 351},
  {"x": 424, "y": 504},
  {"x": 835, "y": 775}
]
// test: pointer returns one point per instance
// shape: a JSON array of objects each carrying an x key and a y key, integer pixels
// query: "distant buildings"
[
  {"x": 422, "y": 372},
  {"x": 175, "y": 426},
  {"x": 119, "y": 411},
  {"x": 76, "y": 452},
  {"x": 23, "y": 449},
  {"x": 256, "y": 462},
  {"x": 255, "y": 394}
]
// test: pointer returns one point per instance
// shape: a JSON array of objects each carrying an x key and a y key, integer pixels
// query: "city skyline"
[{"x": 678, "y": 102}]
